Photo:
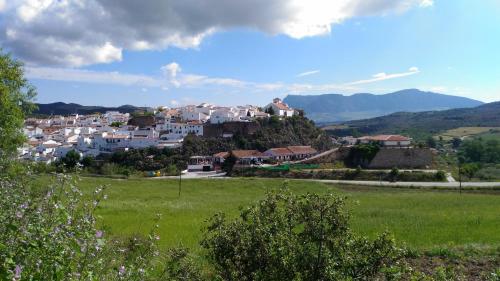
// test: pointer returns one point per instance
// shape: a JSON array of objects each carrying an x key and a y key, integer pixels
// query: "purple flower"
[
  {"x": 98, "y": 234},
  {"x": 17, "y": 272},
  {"x": 121, "y": 270}
]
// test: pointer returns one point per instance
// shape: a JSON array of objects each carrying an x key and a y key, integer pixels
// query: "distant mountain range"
[
  {"x": 61, "y": 108},
  {"x": 335, "y": 107},
  {"x": 428, "y": 122}
]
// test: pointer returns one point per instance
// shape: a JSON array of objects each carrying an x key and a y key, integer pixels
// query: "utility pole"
[
  {"x": 180, "y": 182},
  {"x": 460, "y": 178},
  {"x": 460, "y": 161}
]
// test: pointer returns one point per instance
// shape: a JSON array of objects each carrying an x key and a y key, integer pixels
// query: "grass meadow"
[{"x": 421, "y": 219}]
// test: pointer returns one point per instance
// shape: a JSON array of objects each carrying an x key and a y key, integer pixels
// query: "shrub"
[
  {"x": 295, "y": 237},
  {"x": 440, "y": 175},
  {"x": 50, "y": 233},
  {"x": 393, "y": 174}
]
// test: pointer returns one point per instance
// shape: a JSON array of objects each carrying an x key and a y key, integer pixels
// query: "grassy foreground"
[{"x": 422, "y": 219}]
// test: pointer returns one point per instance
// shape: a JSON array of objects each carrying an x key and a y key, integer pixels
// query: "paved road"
[
  {"x": 414, "y": 184},
  {"x": 194, "y": 175},
  {"x": 367, "y": 183}
]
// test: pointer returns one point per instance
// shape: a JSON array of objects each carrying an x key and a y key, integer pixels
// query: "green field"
[
  {"x": 466, "y": 132},
  {"x": 422, "y": 219}
]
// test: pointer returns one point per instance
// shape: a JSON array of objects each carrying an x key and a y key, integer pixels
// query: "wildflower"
[
  {"x": 121, "y": 270},
  {"x": 19, "y": 214},
  {"x": 98, "y": 234},
  {"x": 17, "y": 272}
]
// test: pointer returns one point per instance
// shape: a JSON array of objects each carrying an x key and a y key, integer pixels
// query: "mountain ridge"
[
  {"x": 426, "y": 122},
  {"x": 62, "y": 108},
  {"x": 337, "y": 107}
]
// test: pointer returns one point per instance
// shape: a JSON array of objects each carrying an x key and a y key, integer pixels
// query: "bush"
[
  {"x": 440, "y": 175},
  {"x": 50, "y": 233},
  {"x": 393, "y": 174},
  {"x": 295, "y": 237},
  {"x": 489, "y": 173}
]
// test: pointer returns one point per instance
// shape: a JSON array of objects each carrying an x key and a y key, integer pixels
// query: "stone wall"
[
  {"x": 402, "y": 158},
  {"x": 218, "y": 130},
  {"x": 329, "y": 156}
]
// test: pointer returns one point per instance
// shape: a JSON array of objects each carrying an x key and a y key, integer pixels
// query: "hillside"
[
  {"x": 428, "y": 122},
  {"x": 335, "y": 107},
  {"x": 61, "y": 108}
]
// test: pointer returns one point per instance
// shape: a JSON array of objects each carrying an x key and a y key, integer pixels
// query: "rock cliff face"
[{"x": 402, "y": 158}]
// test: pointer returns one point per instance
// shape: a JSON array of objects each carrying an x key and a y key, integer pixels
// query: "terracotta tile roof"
[
  {"x": 282, "y": 106},
  {"x": 279, "y": 151},
  {"x": 246, "y": 153},
  {"x": 223, "y": 154},
  {"x": 302, "y": 149},
  {"x": 51, "y": 145}
]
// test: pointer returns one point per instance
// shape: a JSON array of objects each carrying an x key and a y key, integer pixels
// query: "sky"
[{"x": 226, "y": 52}]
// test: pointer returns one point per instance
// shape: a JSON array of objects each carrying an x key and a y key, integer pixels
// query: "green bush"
[{"x": 295, "y": 237}]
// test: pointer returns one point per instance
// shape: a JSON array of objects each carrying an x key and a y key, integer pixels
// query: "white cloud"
[
  {"x": 78, "y": 33},
  {"x": 2, "y": 5},
  {"x": 384, "y": 76},
  {"x": 172, "y": 75},
  {"x": 426, "y": 3},
  {"x": 170, "y": 71},
  {"x": 307, "y": 73},
  {"x": 87, "y": 76}
]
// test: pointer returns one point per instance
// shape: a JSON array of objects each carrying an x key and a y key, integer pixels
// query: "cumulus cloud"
[
  {"x": 78, "y": 33},
  {"x": 170, "y": 71}
]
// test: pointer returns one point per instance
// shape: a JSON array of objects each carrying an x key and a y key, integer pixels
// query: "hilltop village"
[{"x": 94, "y": 135}]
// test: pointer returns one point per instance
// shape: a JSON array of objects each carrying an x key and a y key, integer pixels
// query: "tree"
[
  {"x": 116, "y": 124},
  {"x": 431, "y": 142},
  {"x": 295, "y": 237},
  {"x": 470, "y": 169},
  {"x": 229, "y": 163},
  {"x": 270, "y": 110},
  {"x": 71, "y": 159},
  {"x": 455, "y": 142},
  {"x": 16, "y": 96},
  {"x": 87, "y": 161}
]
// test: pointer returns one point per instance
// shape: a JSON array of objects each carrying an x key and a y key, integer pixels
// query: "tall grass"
[{"x": 421, "y": 219}]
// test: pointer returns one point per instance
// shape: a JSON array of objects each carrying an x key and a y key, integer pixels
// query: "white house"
[
  {"x": 280, "y": 108},
  {"x": 225, "y": 114},
  {"x": 175, "y": 130}
]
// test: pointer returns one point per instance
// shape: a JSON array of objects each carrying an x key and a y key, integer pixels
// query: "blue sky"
[{"x": 450, "y": 47}]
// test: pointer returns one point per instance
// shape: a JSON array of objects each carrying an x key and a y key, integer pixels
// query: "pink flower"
[
  {"x": 17, "y": 272},
  {"x": 98, "y": 234},
  {"x": 121, "y": 270}
]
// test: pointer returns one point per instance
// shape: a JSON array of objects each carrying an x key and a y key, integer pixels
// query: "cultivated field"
[
  {"x": 466, "y": 132},
  {"x": 422, "y": 219}
]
